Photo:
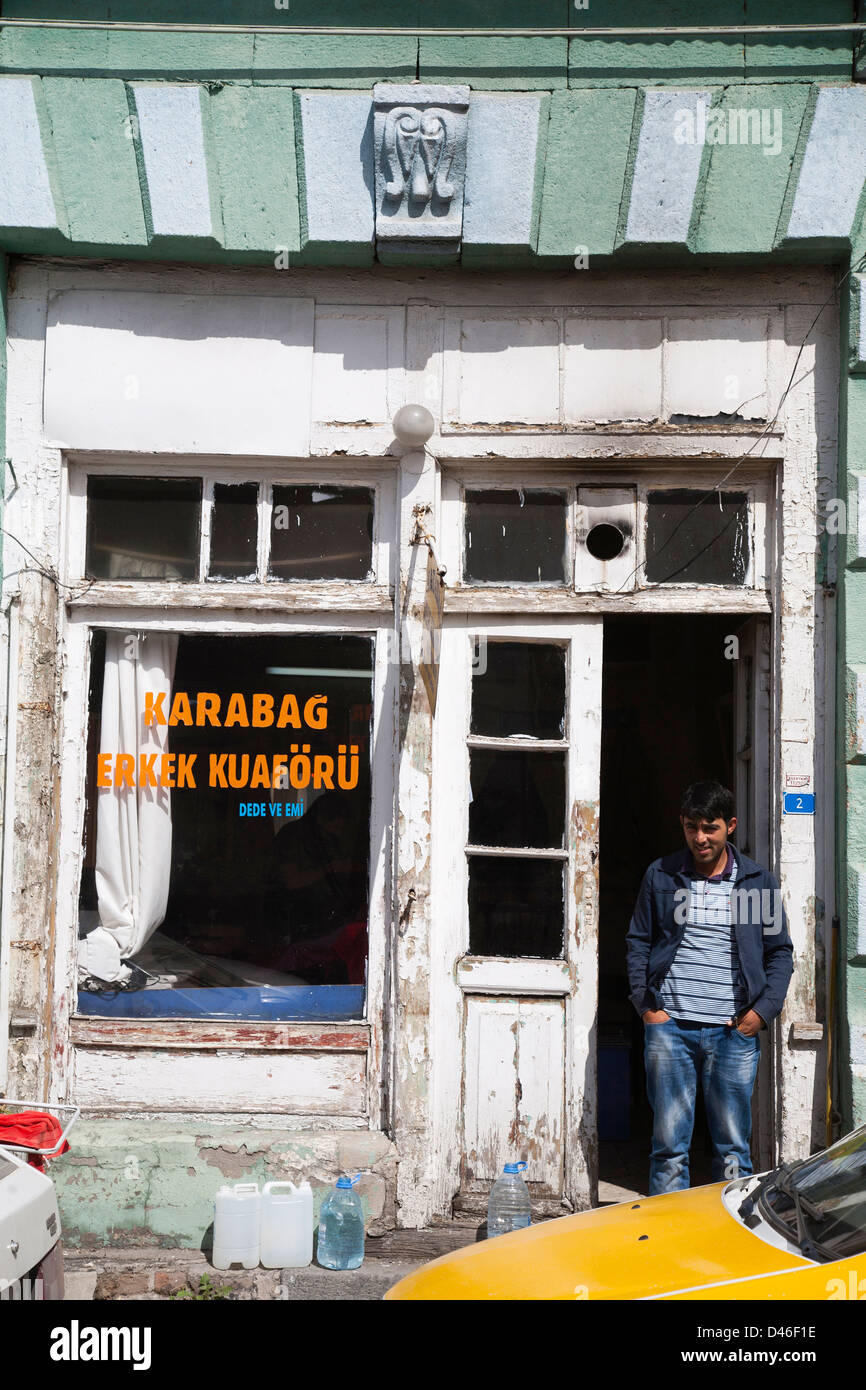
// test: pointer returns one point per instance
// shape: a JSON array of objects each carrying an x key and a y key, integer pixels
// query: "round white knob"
[{"x": 413, "y": 425}]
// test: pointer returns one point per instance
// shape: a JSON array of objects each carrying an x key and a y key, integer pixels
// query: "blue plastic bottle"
[
  {"x": 509, "y": 1207},
  {"x": 341, "y": 1227}
]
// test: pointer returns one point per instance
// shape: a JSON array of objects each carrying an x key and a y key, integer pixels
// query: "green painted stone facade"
[
  {"x": 127, "y": 1184},
  {"x": 587, "y": 146},
  {"x": 744, "y": 195},
  {"x": 510, "y": 64}
]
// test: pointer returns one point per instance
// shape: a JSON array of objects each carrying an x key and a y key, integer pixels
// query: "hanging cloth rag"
[
  {"x": 32, "y": 1129},
  {"x": 133, "y": 835}
]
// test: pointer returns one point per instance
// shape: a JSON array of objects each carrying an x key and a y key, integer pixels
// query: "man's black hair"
[{"x": 707, "y": 801}]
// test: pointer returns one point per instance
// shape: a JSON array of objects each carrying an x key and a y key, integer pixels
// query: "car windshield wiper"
[
  {"x": 748, "y": 1204},
  {"x": 780, "y": 1181}
]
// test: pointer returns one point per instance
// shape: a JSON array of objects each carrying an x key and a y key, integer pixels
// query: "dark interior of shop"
[{"x": 667, "y": 720}]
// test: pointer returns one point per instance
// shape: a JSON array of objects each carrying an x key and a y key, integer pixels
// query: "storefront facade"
[{"x": 411, "y": 962}]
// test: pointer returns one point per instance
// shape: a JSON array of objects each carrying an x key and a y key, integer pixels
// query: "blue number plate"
[{"x": 799, "y": 804}]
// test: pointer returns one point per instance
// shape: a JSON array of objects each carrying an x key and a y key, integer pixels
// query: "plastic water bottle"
[
  {"x": 236, "y": 1226},
  {"x": 509, "y": 1207},
  {"x": 341, "y": 1227},
  {"x": 287, "y": 1225}
]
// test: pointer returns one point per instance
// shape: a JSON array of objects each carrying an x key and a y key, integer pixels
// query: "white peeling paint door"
[
  {"x": 514, "y": 1089},
  {"x": 515, "y": 848}
]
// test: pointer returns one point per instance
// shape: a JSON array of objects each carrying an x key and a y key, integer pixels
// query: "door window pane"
[
  {"x": 515, "y": 537},
  {"x": 233, "y": 531},
  {"x": 321, "y": 533},
  {"x": 694, "y": 541},
  {"x": 516, "y": 907},
  {"x": 521, "y": 691},
  {"x": 143, "y": 528},
  {"x": 518, "y": 798}
]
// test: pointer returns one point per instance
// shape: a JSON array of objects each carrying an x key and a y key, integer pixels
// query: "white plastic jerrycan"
[
  {"x": 237, "y": 1225},
  {"x": 287, "y": 1225}
]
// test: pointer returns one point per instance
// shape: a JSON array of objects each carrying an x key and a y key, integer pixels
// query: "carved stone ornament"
[{"x": 420, "y": 140}]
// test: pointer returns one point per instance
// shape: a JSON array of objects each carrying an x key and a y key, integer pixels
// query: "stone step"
[
  {"x": 149, "y": 1273},
  {"x": 472, "y": 1206}
]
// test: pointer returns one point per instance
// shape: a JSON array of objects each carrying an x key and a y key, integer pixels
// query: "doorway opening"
[{"x": 669, "y": 718}]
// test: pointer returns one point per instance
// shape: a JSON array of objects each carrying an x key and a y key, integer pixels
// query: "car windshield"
[{"x": 833, "y": 1186}]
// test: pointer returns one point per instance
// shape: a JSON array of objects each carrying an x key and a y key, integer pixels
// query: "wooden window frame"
[
  {"x": 641, "y": 477},
  {"x": 207, "y": 592},
  {"x": 245, "y": 609}
]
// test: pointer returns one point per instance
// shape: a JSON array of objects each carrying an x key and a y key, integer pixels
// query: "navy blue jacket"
[{"x": 657, "y": 927}]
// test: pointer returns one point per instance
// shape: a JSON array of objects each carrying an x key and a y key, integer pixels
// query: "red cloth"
[
  {"x": 32, "y": 1129},
  {"x": 320, "y": 955}
]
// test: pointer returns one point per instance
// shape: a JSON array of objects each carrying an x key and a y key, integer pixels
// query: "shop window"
[
  {"x": 143, "y": 528},
  {"x": 695, "y": 539},
  {"x": 235, "y": 886},
  {"x": 515, "y": 537},
  {"x": 517, "y": 810},
  {"x": 321, "y": 533}
]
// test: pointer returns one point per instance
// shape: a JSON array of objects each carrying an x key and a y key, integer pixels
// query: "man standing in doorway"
[{"x": 709, "y": 964}]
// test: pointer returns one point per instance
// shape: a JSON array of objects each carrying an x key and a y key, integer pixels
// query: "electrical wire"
[{"x": 37, "y": 568}]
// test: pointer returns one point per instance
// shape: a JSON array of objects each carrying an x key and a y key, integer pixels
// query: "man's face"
[{"x": 706, "y": 838}]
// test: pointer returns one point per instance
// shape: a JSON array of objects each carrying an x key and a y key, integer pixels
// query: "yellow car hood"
[{"x": 652, "y": 1246}]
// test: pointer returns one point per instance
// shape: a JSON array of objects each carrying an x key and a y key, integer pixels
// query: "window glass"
[
  {"x": 695, "y": 541},
  {"x": 520, "y": 691},
  {"x": 516, "y": 907},
  {"x": 834, "y": 1186},
  {"x": 266, "y": 898},
  {"x": 150, "y": 528},
  {"x": 516, "y": 537},
  {"x": 233, "y": 531},
  {"x": 518, "y": 798},
  {"x": 321, "y": 533},
  {"x": 143, "y": 528},
  {"x": 517, "y": 801}
]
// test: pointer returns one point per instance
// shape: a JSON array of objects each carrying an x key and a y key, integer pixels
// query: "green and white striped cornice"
[{"x": 234, "y": 172}]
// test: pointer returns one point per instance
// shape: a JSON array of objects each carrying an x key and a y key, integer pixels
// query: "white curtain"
[{"x": 133, "y": 824}]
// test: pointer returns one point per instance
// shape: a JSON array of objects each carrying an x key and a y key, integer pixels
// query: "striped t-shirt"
[{"x": 705, "y": 983}]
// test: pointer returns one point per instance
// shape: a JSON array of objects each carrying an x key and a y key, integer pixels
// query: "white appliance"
[{"x": 31, "y": 1262}]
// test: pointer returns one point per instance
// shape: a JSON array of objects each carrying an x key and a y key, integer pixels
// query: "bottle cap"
[
  {"x": 514, "y": 1167},
  {"x": 348, "y": 1182}
]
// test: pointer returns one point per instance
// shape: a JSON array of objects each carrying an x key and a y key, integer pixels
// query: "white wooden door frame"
[
  {"x": 455, "y": 975},
  {"x": 752, "y": 715},
  {"x": 752, "y": 761}
]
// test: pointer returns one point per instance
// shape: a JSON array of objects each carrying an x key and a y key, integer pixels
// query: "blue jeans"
[{"x": 676, "y": 1053}]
